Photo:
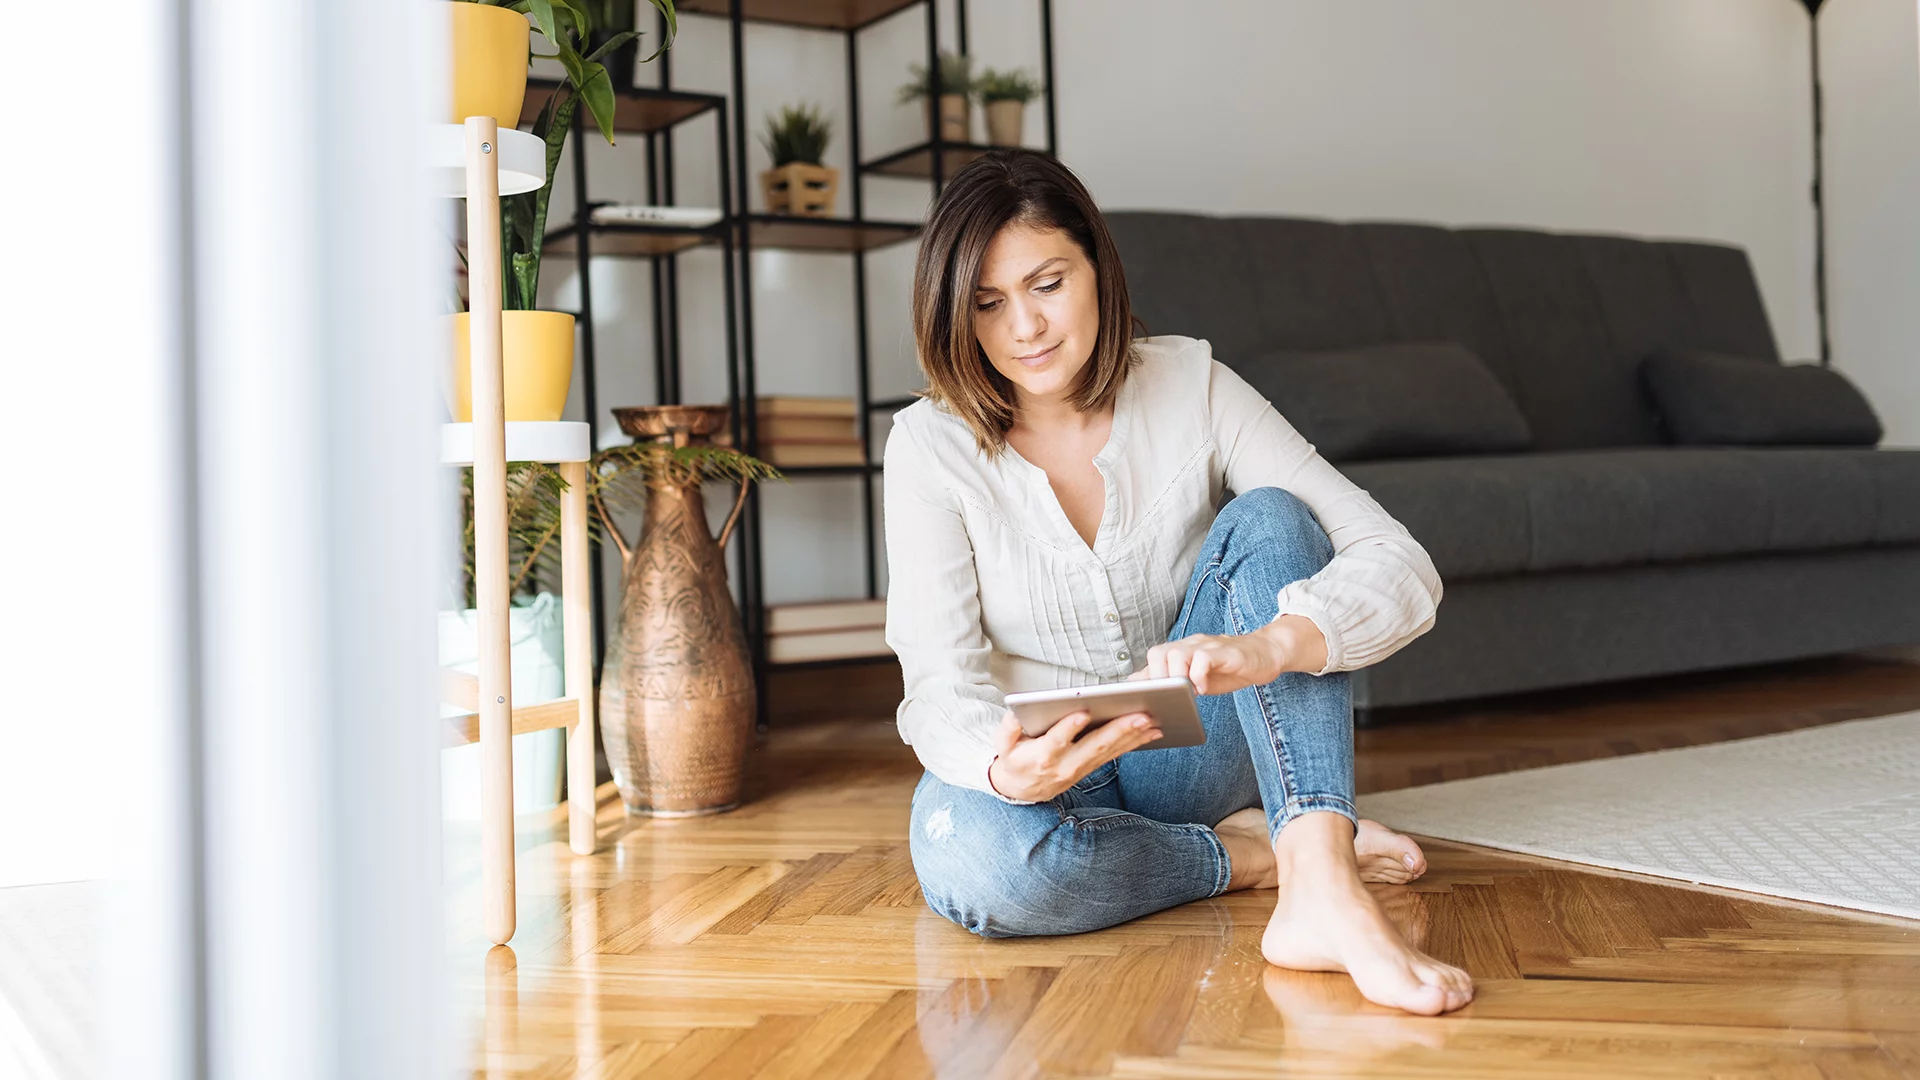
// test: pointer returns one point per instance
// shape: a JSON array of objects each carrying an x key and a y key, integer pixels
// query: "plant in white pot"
[
  {"x": 796, "y": 140},
  {"x": 954, "y": 90},
  {"x": 537, "y": 659},
  {"x": 1004, "y": 96},
  {"x": 538, "y": 345}
]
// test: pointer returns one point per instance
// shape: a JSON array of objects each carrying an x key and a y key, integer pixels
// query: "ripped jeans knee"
[{"x": 1064, "y": 866}]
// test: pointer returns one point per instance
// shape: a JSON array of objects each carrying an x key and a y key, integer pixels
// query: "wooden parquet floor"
[{"x": 788, "y": 939}]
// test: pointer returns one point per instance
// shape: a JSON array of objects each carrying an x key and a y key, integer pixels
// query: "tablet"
[{"x": 1170, "y": 701}]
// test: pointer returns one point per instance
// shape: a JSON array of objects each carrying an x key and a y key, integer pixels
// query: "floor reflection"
[{"x": 502, "y": 1018}]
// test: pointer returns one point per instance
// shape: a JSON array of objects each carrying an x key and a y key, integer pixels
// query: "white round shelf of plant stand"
[
  {"x": 553, "y": 442},
  {"x": 523, "y": 160}
]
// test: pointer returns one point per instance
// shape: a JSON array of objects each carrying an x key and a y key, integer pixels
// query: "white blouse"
[{"x": 990, "y": 589}]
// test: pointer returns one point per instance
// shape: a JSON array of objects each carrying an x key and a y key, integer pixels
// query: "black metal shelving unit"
[
  {"x": 655, "y": 113},
  {"x": 933, "y": 160}
]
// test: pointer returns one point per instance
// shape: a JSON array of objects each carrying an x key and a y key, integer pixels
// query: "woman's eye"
[
  {"x": 1051, "y": 285},
  {"x": 986, "y": 307}
]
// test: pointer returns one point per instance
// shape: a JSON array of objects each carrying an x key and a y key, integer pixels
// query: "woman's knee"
[
  {"x": 970, "y": 870},
  {"x": 1271, "y": 519},
  {"x": 991, "y": 867}
]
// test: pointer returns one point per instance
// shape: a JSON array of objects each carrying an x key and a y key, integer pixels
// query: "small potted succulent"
[
  {"x": 956, "y": 87},
  {"x": 1004, "y": 95},
  {"x": 798, "y": 183}
]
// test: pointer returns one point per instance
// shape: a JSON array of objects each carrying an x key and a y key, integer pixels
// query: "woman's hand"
[
  {"x": 1037, "y": 769},
  {"x": 1221, "y": 664}
]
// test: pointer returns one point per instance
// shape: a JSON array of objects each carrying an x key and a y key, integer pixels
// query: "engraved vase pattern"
[{"x": 677, "y": 699}]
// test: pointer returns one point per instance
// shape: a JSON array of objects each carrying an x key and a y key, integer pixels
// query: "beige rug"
[{"x": 1829, "y": 815}]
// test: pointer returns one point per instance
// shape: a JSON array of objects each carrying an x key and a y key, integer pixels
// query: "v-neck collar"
[{"x": 1103, "y": 461}]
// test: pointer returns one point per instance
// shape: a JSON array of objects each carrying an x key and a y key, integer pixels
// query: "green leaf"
[
  {"x": 542, "y": 12},
  {"x": 576, "y": 67},
  {"x": 597, "y": 91},
  {"x": 613, "y": 43},
  {"x": 578, "y": 16},
  {"x": 665, "y": 8}
]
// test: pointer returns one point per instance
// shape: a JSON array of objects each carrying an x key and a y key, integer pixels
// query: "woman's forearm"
[{"x": 1300, "y": 644}]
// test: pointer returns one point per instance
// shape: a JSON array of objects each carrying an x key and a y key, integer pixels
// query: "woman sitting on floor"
[{"x": 1053, "y": 511}]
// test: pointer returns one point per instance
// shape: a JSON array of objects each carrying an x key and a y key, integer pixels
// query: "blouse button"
[
  {"x": 1112, "y": 617},
  {"x": 1121, "y": 655}
]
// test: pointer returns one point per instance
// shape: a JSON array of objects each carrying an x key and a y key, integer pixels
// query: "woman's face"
[{"x": 1036, "y": 310}]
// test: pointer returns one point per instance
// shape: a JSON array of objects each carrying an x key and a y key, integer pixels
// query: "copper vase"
[{"x": 676, "y": 695}]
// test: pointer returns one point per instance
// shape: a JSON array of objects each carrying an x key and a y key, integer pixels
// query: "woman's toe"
[
  {"x": 1457, "y": 983},
  {"x": 1426, "y": 999}
]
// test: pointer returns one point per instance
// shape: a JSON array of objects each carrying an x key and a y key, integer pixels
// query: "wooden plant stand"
[{"x": 514, "y": 159}]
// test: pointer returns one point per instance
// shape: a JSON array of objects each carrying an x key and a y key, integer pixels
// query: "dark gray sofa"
[{"x": 1602, "y": 553}]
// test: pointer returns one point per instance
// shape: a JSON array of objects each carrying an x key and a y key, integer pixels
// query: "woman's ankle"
[
  {"x": 1249, "y": 856},
  {"x": 1316, "y": 844}
]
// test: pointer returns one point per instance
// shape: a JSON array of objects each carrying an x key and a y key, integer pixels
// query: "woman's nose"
[{"x": 1028, "y": 321}]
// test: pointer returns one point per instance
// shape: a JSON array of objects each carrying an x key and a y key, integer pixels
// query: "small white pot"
[{"x": 539, "y": 674}]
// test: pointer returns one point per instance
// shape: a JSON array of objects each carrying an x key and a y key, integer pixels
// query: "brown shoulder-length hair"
[{"x": 1002, "y": 186}]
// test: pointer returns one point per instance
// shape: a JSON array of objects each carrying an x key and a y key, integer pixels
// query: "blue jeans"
[{"x": 1136, "y": 835}]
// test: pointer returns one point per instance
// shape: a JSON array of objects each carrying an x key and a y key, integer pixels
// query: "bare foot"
[
  {"x": 1249, "y": 851},
  {"x": 1386, "y": 856},
  {"x": 1326, "y": 920}
]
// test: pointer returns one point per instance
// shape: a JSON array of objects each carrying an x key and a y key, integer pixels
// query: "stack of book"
[
  {"x": 836, "y": 630},
  {"x": 809, "y": 431}
]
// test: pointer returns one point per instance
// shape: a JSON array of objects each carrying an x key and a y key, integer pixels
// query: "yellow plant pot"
[
  {"x": 537, "y": 358},
  {"x": 489, "y": 62}
]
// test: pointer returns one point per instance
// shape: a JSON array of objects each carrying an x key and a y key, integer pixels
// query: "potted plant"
[
  {"x": 537, "y": 346},
  {"x": 1004, "y": 96},
  {"x": 489, "y": 63},
  {"x": 537, "y": 654},
  {"x": 955, "y": 86},
  {"x": 798, "y": 183},
  {"x": 676, "y": 691}
]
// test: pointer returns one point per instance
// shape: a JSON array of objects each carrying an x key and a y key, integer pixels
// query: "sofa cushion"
[
  {"x": 1577, "y": 390},
  {"x": 1563, "y": 320},
  {"x": 1391, "y": 401},
  {"x": 1728, "y": 314},
  {"x": 1710, "y": 398},
  {"x": 1511, "y": 514}
]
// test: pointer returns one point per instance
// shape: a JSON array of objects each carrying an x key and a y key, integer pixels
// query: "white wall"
[
  {"x": 1684, "y": 118},
  {"x": 1870, "y": 69}
]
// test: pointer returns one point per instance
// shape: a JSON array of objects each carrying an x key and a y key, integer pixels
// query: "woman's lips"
[{"x": 1036, "y": 361}]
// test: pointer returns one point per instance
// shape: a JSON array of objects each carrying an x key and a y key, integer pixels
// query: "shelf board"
[
  {"x": 802, "y": 665},
  {"x": 826, "y": 234},
  {"x": 764, "y": 230},
  {"x": 640, "y": 111},
  {"x": 633, "y": 241},
  {"x": 917, "y": 161},
  {"x": 828, "y": 470},
  {"x": 816, "y": 14}
]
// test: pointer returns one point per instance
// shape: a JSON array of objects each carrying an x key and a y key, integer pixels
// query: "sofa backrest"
[{"x": 1562, "y": 319}]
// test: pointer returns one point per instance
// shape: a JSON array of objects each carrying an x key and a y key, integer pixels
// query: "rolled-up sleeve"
[
  {"x": 1381, "y": 590},
  {"x": 951, "y": 708}
]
